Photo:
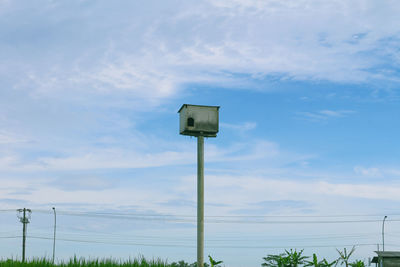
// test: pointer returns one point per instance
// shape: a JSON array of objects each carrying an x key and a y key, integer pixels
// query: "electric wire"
[
  {"x": 185, "y": 219},
  {"x": 191, "y": 246},
  {"x": 86, "y": 213},
  {"x": 263, "y": 238},
  {"x": 136, "y": 240},
  {"x": 208, "y": 246},
  {"x": 8, "y": 237}
]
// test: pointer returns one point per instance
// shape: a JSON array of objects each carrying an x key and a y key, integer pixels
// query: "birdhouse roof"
[{"x": 202, "y": 106}]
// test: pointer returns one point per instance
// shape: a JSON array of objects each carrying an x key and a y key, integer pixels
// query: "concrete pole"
[
  {"x": 54, "y": 238},
  {"x": 200, "y": 201}
]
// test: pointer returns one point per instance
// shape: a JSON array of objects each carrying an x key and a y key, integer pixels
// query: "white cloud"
[
  {"x": 8, "y": 160},
  {"x": 9, "y": 138},
  {"x": 131, "y": 58},
  {"x": 240, "y": 192},
  {"x": 243, "y": 127},
  {"x": 106, "y": 198},
  {"x": 151, "y": 55},
  {"x": 368, "y": 172},
  {"x": 335, "y": 113},
  {"x": 324, "y": 115},
  {"x": 109, "y": 159},
  {"x": 377, "y": 172},
  {"x": 149, "y": 155},
  {"x": 87, "y": 183},
  {"x": 225, "y": 193}
]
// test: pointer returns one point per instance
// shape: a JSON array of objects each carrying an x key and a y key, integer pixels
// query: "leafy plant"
[
  {"x": 295, "y": 258},
  {"x": 358, "y": 263},
  {"x": 82, "y": 262},
  {"x": 276, "y": 261},
  {"x": 194, "y": 264},
  {"x": 344, "y": 257},
  {"x": 180, "y": 264},
  {"x": 322, "y": 263},
  {"x": 290, "y": 259},
  {"x": 213, "y": 262}
]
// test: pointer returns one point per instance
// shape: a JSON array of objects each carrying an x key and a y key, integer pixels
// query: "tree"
[
  {"x": 213, "y": 262},
  {"x": 344, "y": 257},
  {"x": 276, "y": 261},
  {"x": 290, "y": 259},
  {"x": 295, "y": 258},
  {"x": 322, "y": 263}
]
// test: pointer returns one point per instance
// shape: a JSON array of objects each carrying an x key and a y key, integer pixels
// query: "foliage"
[
  {"x": 358, "y": 263},
  {"x": 289, "y": 259},
  {"x": 344, "y": 257},
  {"x": 184, "y": 264},
  {"x": 213, "y": 262},
  {"x": 275, "y": 261},
  {"x": 322, "y": 263},
  {"x": 180, "y": 264},
  {"x": 81, "y": 262}
]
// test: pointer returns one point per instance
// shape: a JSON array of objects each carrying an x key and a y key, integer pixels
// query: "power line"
[
  {"x": 298, "y": 222},
  {"x": 124, "y": 214},
  {"x": 6, "y": 237},
  {"x": 140, "y": 240},
  {"x": 113, "y": 243},
  {"x": 126, "y": 237},
  {"x": 8, "y": 210},
  {"x": 176, "y": 219},
  {"x": 189, "y": 246},
  {"x": 69, "y": 229},
  {"x": 258, "y": 238}
]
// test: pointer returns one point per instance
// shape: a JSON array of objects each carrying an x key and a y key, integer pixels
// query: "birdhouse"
[{"x": 196, "y": 120}]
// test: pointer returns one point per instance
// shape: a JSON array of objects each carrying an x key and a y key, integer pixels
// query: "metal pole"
[
  {"x": 23, "y": 235},
  {"x": 54, "y": 239},
  {"x": 200, "y": 201},
  {"x": 383, "y": 233}
]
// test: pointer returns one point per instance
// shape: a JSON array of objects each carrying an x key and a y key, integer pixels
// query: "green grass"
[{"x": 81, "y": 262}]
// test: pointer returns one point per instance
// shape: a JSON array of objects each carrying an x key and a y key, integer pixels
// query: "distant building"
[{"x": 387, "y": 259}]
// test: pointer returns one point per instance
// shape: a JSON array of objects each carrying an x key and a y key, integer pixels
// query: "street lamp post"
[
  {"x": 383, "y": 233},
  {"x": 54, "y": 237}
]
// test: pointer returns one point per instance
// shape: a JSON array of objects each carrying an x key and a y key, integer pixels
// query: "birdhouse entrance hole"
[{"x": 190, "y": 122}]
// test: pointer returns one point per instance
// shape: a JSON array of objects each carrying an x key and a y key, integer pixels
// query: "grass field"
[{"x": 75, "y": 262}]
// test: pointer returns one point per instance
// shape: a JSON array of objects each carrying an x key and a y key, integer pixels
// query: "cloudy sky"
[{"x": 310, "y": 105}]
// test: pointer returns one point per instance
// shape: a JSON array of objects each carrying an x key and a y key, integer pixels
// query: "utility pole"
[
  {"x": 24, "y": 216},
  {"x": 54, "y": 239}
]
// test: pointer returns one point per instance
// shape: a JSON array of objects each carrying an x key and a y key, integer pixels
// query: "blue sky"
[{"x": 309, "y": 96}]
